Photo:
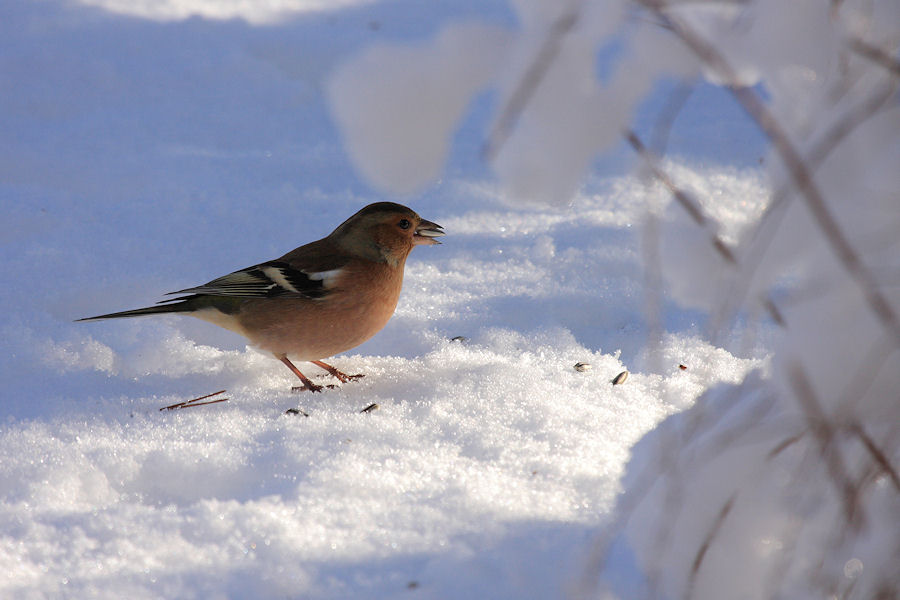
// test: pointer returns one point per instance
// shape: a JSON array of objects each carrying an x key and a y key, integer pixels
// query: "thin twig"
[
  {"x": 704, "y": 547},
  {"x": 876, "y": 55},
  {"x": 763, "y": 232},
  {"x": 192, "y": 405},
  {"x": 824, "y": 432},
  {"x": 785, "y": 444},
  {"x": 687, "y": 202},
  {"x": 195, "y": 402},
  {"x": 659, "y": 139},
  {"x": 529, "y": 82},
  {"x": 877, "y": 455},
  {"x": 691, "y": 206},
  {"x": 774, "y": 312},
  {"x": 866, "y": 372},
  {"x": 653, "y": 288}
]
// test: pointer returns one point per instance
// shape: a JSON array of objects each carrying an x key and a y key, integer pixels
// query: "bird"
[{"x": 318, "y": 300}]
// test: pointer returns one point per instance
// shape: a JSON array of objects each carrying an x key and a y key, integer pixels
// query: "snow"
[
  {"x": 259, "y": 13},
  {"x": 477, "y": 447},
  {"x": 151, "y": 146}
]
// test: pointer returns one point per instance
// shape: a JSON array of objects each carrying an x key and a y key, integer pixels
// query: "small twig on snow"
[{"x": 196, "y": 402}]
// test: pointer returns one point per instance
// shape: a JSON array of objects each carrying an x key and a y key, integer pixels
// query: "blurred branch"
[
  {"x": 784, "y": 445},
  {"x": 667, "y": 471},
  {"x": 529, "y": 82},
  {"x": 704, "y": 547},
  {"x": 840, "y": 130},
  {"x": 824, "y": 432},
  {"x": 766, "y": 226},
  {"x": 774, "y": 312},
  {"x": 690, "y": 205},
  {"x": 796, "y": 167},
  {"x": 659, "y": 139},
  {"x": 834, "y": 235},
  {"x": 650, "y": 232},
  {"x": 653, "y": 288},
  {"x": 878, "y": 456},
  {"x": 869, "y": 366},
  {"x": 876, "y": 55}
]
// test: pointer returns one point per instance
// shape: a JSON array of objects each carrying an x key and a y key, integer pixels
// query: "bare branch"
[
  {"x": 784, "y": 445},
  {"x": 857, "y": 270},
  {"x": 876, "y": 55},
  {"x": 690, "y": 205},
  {"x": 677, "y": 100},
  {"x": 704, "y": 547},
  {"x": 774, "y": 312},
  {"x": 840, "y": 245},
  {"x": 824, "y": 432},
  {"x": 767, "y": 226},
  {"x": 650, "y": 232},
  {"x": 867, "y": 370},
  {"x": 653, "y": 288},
  {"x": 196, "y": 402},
  {"x": 878, "y": 456},
  {"x": 529, "y": 82}
]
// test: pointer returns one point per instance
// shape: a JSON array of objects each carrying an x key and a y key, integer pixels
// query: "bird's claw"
[
  {"x": 312, "y": 387},
  {"x": 344, "y": 378}
]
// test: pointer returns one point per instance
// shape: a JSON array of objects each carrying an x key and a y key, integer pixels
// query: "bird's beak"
[{"x": 426, "y": 232}]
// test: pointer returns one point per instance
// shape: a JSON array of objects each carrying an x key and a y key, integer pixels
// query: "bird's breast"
[{"x": 359, "y": 303}]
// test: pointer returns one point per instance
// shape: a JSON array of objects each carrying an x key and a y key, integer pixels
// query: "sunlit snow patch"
[{"x": 257, "y": 13}]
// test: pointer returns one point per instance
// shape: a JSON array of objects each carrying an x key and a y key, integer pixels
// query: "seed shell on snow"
[
  {"x": 370, "y": 408},
  {"x": 582, "y": 367},
  {"x": 620, "y": 378}
]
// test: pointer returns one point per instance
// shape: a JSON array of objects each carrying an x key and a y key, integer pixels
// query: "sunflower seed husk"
[{"x": 620, "y": 378}]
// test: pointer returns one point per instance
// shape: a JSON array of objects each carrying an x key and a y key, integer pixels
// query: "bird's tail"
[{"x": 177, "y": 307}]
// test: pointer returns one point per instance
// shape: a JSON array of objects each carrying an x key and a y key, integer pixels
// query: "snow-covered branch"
[{"x": 799, "y": 496}]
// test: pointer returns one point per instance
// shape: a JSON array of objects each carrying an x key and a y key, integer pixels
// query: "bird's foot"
[
  {"x": 307, "y": 387},
  {"x": 344, "y": 378},
  {"x": 339, "y": 375}
]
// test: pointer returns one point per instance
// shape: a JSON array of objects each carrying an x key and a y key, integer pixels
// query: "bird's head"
[{"x": 386, "y": 231}]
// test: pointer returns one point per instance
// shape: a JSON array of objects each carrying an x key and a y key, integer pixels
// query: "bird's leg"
[
  {"x": 307, "y": 384},
  {"x": 342, "y": 377}
]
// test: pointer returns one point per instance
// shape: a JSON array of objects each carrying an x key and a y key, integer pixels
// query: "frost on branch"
[
  {"x": 398, "y": 105},
  {"x": 785, "y": 485}
]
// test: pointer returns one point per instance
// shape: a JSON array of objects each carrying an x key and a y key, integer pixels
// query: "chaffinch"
[{"x": 320, "y": 299}]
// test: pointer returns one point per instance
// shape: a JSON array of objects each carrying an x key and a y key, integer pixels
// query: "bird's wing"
[{"x": 268, "y": 280}]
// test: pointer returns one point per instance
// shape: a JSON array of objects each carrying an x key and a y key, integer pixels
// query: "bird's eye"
[{"x": 404, "y": 224}]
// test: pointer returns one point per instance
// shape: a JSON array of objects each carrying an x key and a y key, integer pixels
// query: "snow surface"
[
  {"x": 147, "y": 147},
  {"x": 782, "y": 486}
]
